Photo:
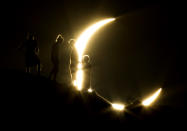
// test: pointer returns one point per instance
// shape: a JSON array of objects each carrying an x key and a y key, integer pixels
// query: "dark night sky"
[{"x": 131, "y": 57}]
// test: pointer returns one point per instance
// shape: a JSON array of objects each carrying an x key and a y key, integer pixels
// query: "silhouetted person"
[
  {"x": 55, "y": 57},
  {"x": 86, "y": 67},
  {"x": 65, "y": 61},
  {"x": 31, "y": 53},
  {"x": 73, "y": 59}
]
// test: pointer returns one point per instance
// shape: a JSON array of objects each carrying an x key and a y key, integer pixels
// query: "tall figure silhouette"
[
  {"x": 65, "y": 62},
  {"x": 55, "y": 57},
  {"x": 73, "y": 59}
]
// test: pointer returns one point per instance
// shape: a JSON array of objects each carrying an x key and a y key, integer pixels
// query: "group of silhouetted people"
[
  {"x": 31, "y": 53},
  {"x": 61, "y": 60},
  {"x": 63, "y": 57}
]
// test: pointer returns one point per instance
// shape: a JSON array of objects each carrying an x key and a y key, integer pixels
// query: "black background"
[{"x": 131, "y": 57}]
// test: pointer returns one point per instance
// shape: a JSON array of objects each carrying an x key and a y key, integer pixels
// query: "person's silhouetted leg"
[
  {"x": 55, "y": 74},
  {"x": 51, "y": 74},
  {"x": 27, "y": 69},
  {"x": 38, "y": 69}
]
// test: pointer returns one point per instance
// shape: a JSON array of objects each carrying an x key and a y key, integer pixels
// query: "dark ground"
[{"x": 29, "y": 101}]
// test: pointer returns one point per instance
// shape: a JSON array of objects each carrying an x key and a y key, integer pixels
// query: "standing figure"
[
  {"x": 65, "y": 76},
  {"x": 31, "y": 53},
  {"x": 55, "y": 57},
  {"x": 86, "y": 67},
  {"x": 73, "y": 59}
]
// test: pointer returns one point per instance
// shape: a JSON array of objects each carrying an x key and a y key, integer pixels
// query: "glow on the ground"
[
  {"x": 117, "y": 106},
  {"x": 81, "y": 43},
  {"x": 90, "y": 90},
  {"x": 148, "y": 101}
]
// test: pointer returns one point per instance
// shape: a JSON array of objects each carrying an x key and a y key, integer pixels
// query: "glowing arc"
[
  {"x": 148, "y": 101},
  {"x": 80, "y": 46},
  {"x": 84, "y": 38}
]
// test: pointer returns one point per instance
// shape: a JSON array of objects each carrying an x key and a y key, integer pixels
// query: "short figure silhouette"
[
  {"x": 31, "y": 53},
  {"x": 86, "y": 67}
]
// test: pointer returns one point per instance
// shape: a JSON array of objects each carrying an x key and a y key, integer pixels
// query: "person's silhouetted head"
[
  {"x": 86, "y": 59},
  {"x": 59, "y": 38},
  {"x": 71, "y": 42}
]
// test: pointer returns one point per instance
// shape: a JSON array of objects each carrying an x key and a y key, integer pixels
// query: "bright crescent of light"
[
  {"x": 84, "y": 38},
  {"x": 81, "y": 43},
  {"x": 80, "y": 46},
  {"x": 152, "y": 98}
]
